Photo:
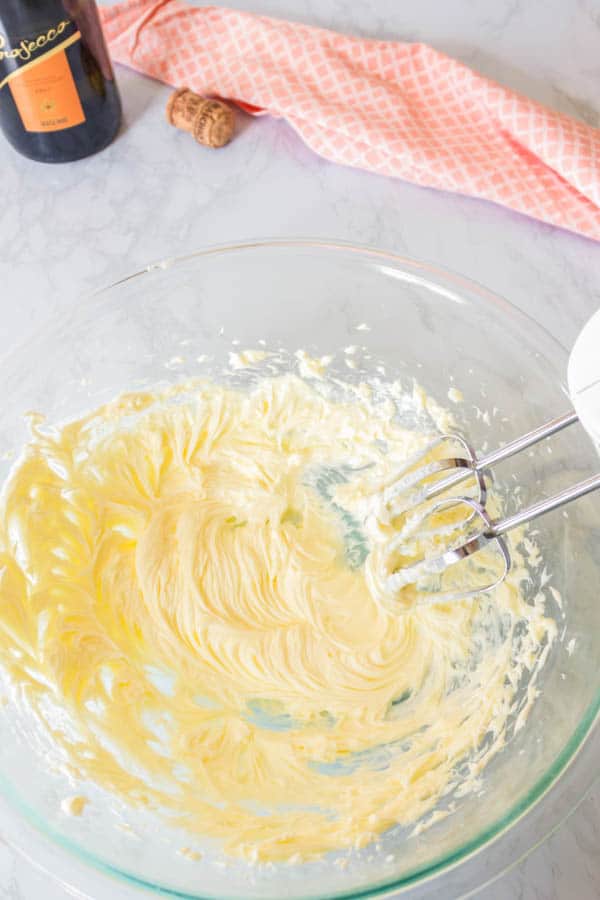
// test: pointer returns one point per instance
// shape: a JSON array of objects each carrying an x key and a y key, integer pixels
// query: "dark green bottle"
[{"x": 58, "y": 96}]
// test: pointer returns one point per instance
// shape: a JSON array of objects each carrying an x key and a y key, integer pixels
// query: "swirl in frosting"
[{"x": 177, "y": 573}]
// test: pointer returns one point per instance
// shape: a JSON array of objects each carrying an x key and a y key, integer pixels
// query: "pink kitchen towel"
[{"x": 398, "y": 109}]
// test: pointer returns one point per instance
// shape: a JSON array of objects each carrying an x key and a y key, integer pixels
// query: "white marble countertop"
[{"x": 154, "y": 193}]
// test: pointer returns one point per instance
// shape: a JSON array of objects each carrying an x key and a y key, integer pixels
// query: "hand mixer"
[{"x": 472, "y": 528}]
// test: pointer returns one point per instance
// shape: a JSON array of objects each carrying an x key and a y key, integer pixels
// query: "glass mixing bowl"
[{"x": 177, "y": 319}]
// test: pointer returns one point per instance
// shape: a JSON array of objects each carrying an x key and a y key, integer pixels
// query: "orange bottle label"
[{"x": 45, "y": 94}]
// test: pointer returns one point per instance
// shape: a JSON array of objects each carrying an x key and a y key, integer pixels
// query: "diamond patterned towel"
[{"x": 398, "y": 109}]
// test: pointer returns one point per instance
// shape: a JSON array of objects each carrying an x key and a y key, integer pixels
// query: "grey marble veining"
[{"x": 65, "y": 231}]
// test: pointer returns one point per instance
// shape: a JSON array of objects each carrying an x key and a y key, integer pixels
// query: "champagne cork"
[{"x": 209, "y": 121}]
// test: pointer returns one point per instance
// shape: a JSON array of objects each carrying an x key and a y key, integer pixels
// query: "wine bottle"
[{"x": 58, "y": 96}]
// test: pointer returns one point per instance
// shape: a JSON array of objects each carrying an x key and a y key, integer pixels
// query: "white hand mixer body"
[
  {"x": 405, "y": 577},
  {"x": 583, "y": 377}
]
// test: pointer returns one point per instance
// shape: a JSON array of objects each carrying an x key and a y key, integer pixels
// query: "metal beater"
[{"x": 422, "y": 550}]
